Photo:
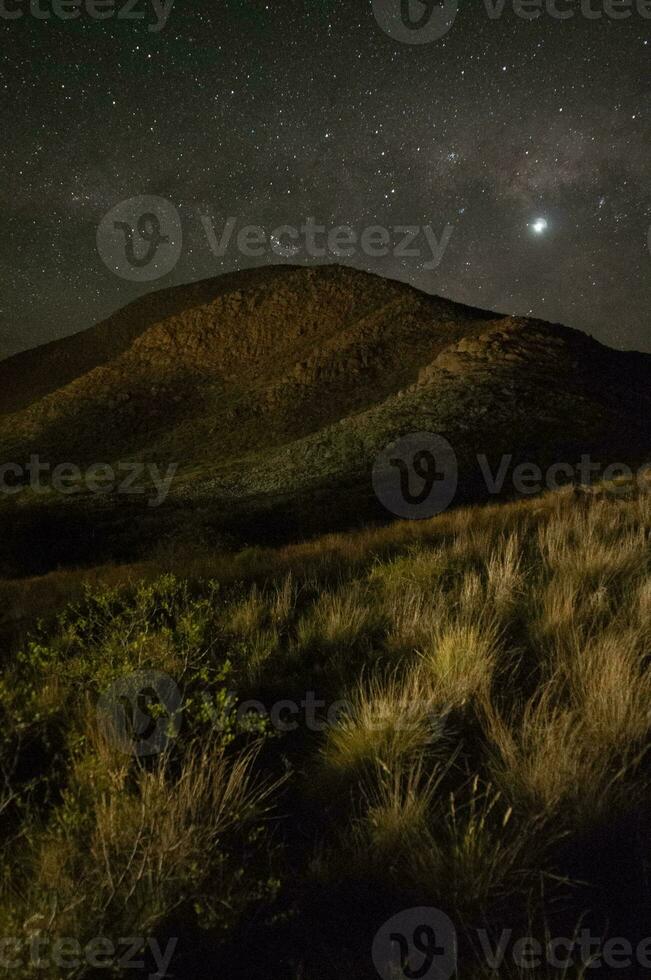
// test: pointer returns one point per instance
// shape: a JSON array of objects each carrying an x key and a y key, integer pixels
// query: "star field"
[{"x": 529, "y": 138}]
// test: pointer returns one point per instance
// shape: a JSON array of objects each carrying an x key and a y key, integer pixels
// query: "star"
[{"x": 494, "y": 129}]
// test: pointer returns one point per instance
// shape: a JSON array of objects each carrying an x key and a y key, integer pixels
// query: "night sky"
[{"x": 529, "y": 139}]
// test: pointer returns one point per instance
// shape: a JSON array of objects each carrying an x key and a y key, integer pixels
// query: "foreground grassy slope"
[{"x": 491, "y": 759}]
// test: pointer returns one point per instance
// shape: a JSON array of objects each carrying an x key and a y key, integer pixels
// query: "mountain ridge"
[
  {"x": 91, "y": 346},
  {"x": 274, "y": 388}
]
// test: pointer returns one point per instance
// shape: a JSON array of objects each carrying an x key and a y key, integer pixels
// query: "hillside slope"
[
  {"x": 273, "y": 390},
  {"x": 439, "y": 714}
]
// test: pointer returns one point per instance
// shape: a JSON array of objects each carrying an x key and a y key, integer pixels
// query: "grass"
[{"x": 492, "y": 675}]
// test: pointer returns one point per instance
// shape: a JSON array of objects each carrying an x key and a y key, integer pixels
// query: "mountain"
[{"x": 273, "y": 390}]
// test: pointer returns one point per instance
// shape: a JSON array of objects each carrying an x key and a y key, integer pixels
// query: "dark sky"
[{"x": 527, "y": 139}]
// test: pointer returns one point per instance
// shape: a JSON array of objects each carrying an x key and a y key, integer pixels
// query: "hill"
[
  {"x": 271, "y": 392},
  {"x": 264, "y": 754}
]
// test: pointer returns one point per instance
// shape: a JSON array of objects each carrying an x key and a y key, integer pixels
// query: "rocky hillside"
[
  {"x": 277, "y": 353},
  {"x": 269, "y": 386}
]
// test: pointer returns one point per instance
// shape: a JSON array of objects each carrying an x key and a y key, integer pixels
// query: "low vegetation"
[{"x": 464, "y": 724}]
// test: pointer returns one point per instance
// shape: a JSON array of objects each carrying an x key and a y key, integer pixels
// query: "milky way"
[{"x": 527, "y": 139}]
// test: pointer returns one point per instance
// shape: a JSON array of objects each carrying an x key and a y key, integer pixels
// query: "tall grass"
[{"x": 494, "y": 667}]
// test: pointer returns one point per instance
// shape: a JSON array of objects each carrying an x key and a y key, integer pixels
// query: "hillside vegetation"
[
  {"x": 272, "y": 391},
  {"x": 490, "y": 758}
]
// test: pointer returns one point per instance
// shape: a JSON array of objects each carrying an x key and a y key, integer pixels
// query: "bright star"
[{"x": 539, "y": 226}]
